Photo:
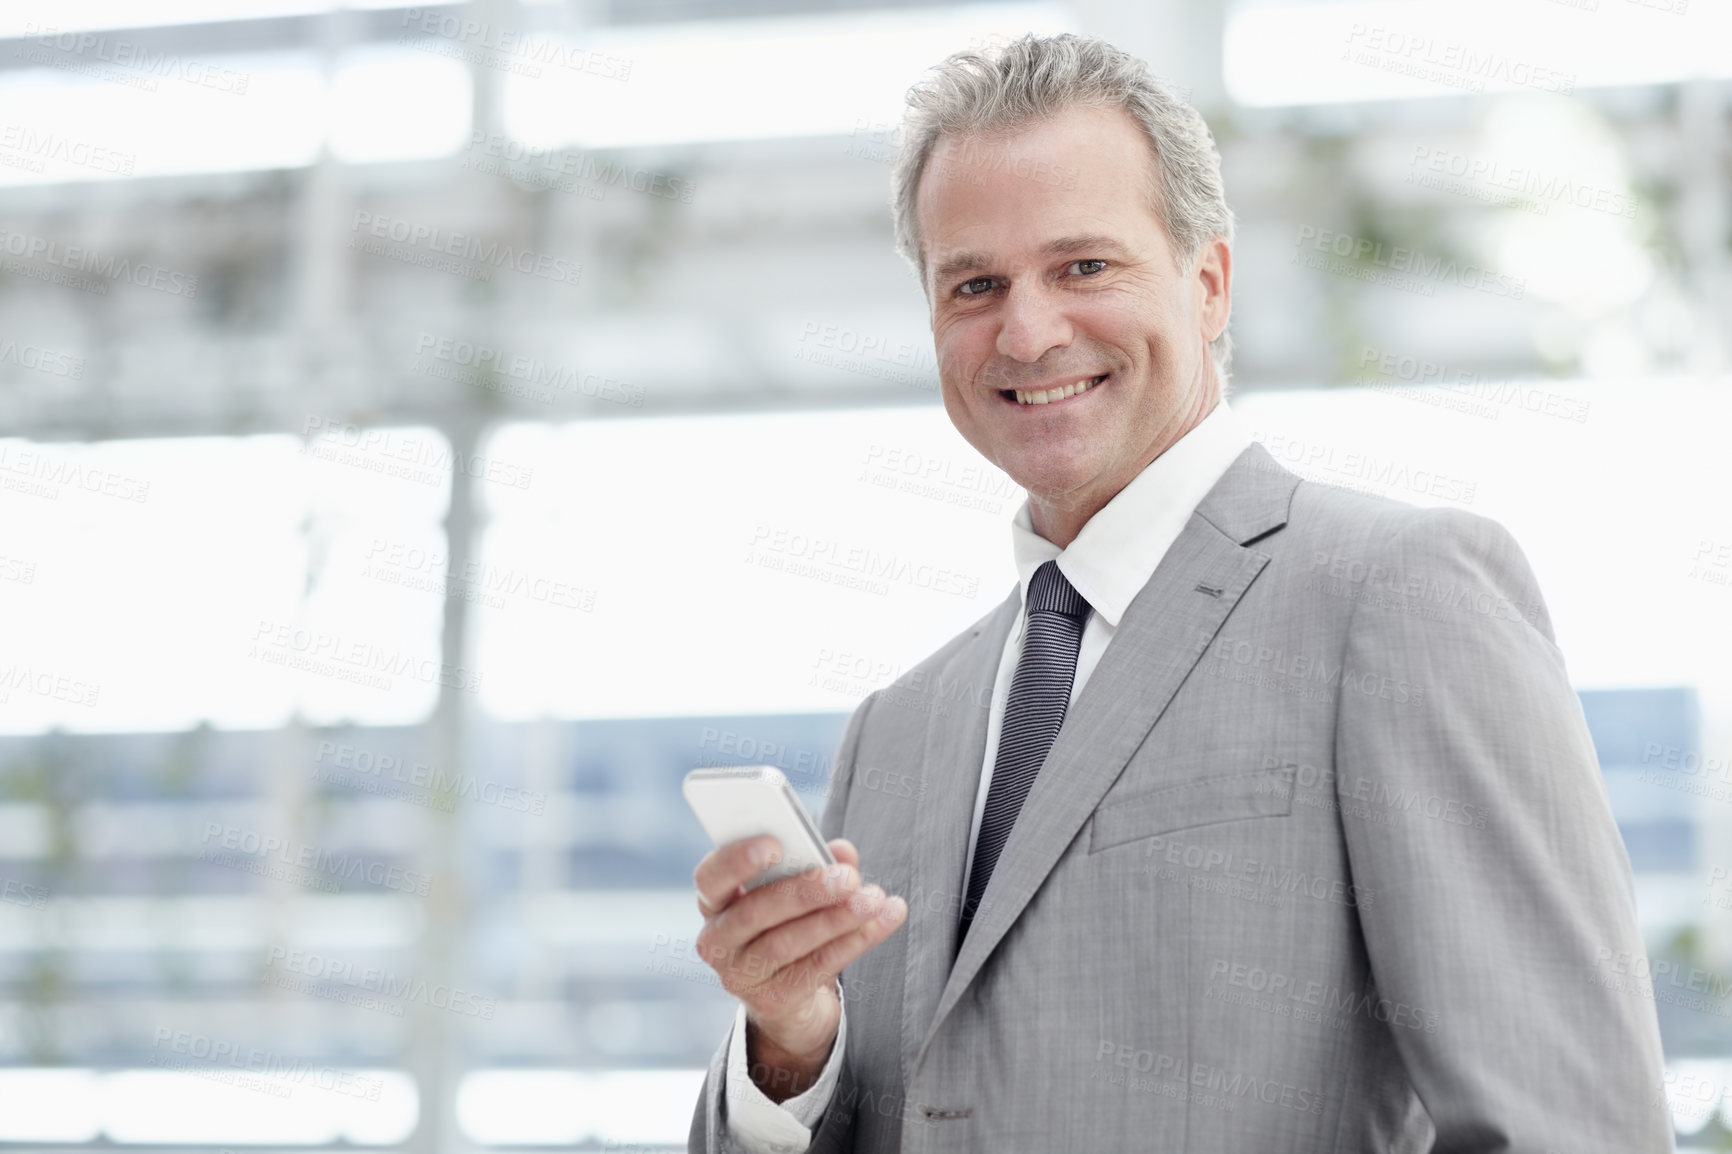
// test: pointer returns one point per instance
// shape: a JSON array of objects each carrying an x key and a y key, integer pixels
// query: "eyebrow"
[{"x": 967, "y": 261}]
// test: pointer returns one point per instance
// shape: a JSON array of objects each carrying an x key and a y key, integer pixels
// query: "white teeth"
[{"x": 1048, "y": 396}]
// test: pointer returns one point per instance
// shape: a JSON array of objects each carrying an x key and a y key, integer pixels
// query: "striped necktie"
[{"x": 1039, "y": 696}]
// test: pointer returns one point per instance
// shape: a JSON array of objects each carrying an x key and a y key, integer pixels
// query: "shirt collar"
[{"x": 1117, "y": 550}]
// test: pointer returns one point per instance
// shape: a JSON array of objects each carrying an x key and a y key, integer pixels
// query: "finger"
[
  {"x": 839, "y": 953},
  {"x": 779, "y": 947},
  {"x": 844, "y": 851},
  {"x": 722, "y": 871},
  {"x": 769, "y": 906},
  {"x": 704, "y": 906}
]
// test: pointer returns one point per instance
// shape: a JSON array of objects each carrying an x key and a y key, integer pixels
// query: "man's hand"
[{"x": 779, "y": 948}]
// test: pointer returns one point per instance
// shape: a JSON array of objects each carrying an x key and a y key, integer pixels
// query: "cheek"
[
  {"x": 1128, "y": 320},
  {"x": 959, "y": 356},
  {"x": 953, "y": 406}
]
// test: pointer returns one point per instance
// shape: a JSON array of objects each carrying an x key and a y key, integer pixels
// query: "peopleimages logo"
[
  {"x": 321, "y": 864},
  {"x": 468, "y": 247},
  {"x": 90, "y": 46},
  {"x": 43, "y": 360},
  {"x": 377, "y": 980},
  {"x": 1461, "y": 390},
  {"x": 1520, "y": 180},
  {"x": 41, "y": 146},
  {"x": 426, "y": 459},
  {"x": 317, "y": 651},
  {"x": 27, "y": 468},
  {"x": 1287, "y": 996},
  {"x": 1222, "y": 1086},
  {"x": 569, "y": 170},
  {"x": 484, "y": 361},
  {"x": 252, "y": 1068},
  {"x": 1260, "y": 664},
  {"x": 1450, "y": 63},
  {"x": 46, "y": 683},
  {"x": 1360, "y": 252},
  {"x": 827, "y": 558},
  {"x": 442, "y": 785},
  {"x": 107, "y": 266},
  {"x": 510, "y": 46},
  {"x": 1354, "y": 466},
  {"x": 20, "y": 893}
]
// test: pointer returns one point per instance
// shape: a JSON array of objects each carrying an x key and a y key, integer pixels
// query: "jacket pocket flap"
[{"x": 1256, "y": 793}]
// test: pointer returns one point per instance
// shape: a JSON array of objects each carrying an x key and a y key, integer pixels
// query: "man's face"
[{"x": 1048, "y": 269}]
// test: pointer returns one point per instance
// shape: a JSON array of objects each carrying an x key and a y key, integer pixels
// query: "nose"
[{"x": 1030, "y": 323}]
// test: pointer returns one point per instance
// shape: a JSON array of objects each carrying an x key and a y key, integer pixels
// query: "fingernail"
[{"x": 892, "y": 911}]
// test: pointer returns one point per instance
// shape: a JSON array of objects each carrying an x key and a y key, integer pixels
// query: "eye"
[
  {"x": 982, "y": 283},
  {"x": 1099, "y": 265}
]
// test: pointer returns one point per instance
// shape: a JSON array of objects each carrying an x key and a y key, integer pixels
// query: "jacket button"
[{"x": 938, "y": 1113}]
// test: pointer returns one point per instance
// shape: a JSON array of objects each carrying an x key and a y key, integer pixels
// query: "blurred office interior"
[{"x": 431, "y": 431}]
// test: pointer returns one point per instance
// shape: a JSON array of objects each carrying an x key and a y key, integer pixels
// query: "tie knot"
[{"x": 1049, "y": 592}]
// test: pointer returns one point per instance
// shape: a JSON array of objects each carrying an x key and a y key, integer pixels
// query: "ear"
[{"x": 1214, "y": 285}]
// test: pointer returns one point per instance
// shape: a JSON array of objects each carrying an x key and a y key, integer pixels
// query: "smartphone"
[{"x": 737, "y": 802}]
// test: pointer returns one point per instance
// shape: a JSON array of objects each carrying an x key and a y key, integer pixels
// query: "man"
[{"x": 1261, "y": 816}]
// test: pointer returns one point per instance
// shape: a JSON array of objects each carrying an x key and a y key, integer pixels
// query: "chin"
[{"x": 1054, "y": 485}]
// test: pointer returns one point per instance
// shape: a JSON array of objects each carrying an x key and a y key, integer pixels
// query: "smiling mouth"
[{"x": 1051, "y": 396}]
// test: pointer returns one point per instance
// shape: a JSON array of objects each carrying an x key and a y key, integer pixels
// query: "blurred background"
[{"x": 429, "y": 432}]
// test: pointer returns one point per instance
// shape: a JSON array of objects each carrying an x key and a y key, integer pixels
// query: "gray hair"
[{"x": 1000, "y": 89}]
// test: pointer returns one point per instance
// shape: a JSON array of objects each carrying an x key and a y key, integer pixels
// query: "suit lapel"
[
  {"x": 955, "y": 748},
  {"x": 1160, "y": 639}
]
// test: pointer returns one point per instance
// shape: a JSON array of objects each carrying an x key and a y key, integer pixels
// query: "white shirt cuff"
[{"x": 757, "y": 1125}]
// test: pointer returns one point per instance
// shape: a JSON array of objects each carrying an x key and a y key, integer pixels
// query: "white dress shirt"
[{"x": 1112, "y": 558}]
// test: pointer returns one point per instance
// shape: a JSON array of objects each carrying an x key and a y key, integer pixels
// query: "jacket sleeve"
[
  {"x": 1497, "y": 897},
  {"x": 709, "y": 1132}
]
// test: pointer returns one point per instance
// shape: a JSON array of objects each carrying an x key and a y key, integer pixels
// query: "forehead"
[{"x": 1083, "y": 172}]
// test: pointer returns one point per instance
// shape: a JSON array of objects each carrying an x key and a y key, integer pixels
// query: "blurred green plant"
[{"x": 49, "y": 776}]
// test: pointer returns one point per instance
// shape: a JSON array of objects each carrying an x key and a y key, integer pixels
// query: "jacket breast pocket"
[{"x": 1207, "y": 801}]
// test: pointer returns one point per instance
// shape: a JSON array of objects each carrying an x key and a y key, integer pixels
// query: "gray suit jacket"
[{"x": 1321, "y": 860}]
